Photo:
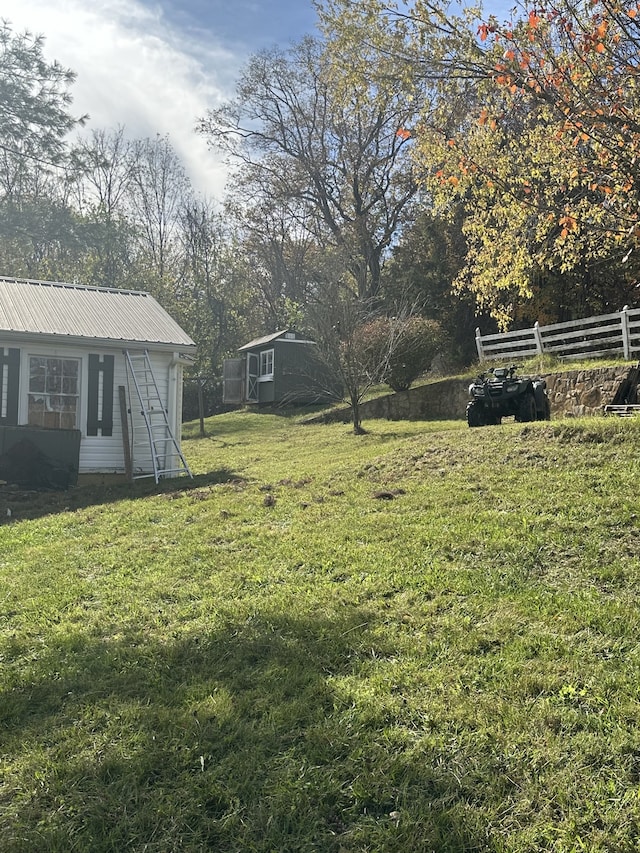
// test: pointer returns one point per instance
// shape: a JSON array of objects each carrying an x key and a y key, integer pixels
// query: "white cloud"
[{"x": 134, "y": 70}]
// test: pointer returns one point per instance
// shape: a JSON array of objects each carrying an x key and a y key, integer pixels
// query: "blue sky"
[
  {"x": 243, "y": 24},
  {"x": 156, "y": 67}
]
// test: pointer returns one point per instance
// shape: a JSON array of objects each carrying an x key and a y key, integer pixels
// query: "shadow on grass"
[
  {"x": 261, "y": 735},
  {"x": 17, "y": 504}
]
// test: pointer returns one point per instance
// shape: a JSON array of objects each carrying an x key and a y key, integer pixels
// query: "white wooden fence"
[{"x": 615, "y": 334}]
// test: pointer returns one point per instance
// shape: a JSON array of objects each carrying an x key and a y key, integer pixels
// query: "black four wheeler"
[{"x": 500, "y": 393}]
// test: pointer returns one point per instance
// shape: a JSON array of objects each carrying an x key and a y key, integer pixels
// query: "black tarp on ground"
[{"x": 38, "y": 458}]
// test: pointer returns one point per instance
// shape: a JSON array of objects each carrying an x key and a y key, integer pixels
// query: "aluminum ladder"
[{"x": 160, "y": 441}]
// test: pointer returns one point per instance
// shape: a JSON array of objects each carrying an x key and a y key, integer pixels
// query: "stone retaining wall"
[
  {"x": 584, "y": 392},
  {"x": 572, "y": 394}
]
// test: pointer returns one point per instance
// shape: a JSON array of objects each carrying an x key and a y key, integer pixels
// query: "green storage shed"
[{"x": 282, "y": 368}]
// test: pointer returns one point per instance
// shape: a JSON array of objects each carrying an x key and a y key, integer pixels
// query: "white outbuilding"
[{"x": 90, "y": 379}]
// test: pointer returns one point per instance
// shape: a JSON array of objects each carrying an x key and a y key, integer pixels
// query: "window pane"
[
  {"x": 36, "y": 383},
  {"x": 266, "y": 363},
  {"x": 36, "y": 403},
  {"x": 53, "y": 392},
  {"x": 36, "y": 411},
  {"x": 53, "y": 383},
  {"x": 37, "y": 372}
]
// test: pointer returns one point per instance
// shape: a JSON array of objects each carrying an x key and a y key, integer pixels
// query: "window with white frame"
[
  {"x": 53, "y": 392},
  {"x": 266, "y": 364}
]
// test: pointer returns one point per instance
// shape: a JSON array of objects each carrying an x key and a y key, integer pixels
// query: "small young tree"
[{"x": 344, "y": 332}]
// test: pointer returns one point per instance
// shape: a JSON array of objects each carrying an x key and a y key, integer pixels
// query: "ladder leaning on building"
[{"x": 157, "y": 441}]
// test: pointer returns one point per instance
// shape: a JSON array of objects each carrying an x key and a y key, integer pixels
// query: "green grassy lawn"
[{"x": 421, "y": 639}]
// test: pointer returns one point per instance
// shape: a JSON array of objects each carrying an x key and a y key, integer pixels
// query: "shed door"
[
  {"x": 252, "y": 377},
  {"x": 232, "y": 379}
]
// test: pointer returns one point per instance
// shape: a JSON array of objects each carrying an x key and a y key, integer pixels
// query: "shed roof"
[
  {"x": 77, "y": 311},
  {"x": 267, "y": 339}
]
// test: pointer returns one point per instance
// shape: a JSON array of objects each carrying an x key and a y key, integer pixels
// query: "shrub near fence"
[{"x": 616, "y": 334}]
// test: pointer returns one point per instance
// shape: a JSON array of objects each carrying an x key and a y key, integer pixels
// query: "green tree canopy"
[
  {"x": 530, "y": 128},
  {"x": 35, "y": 100}
]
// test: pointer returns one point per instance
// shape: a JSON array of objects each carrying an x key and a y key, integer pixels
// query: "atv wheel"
[
  {"x": 545, "y": 414},
  {"x": 475, "y": 415},
  {"x": 527, "y": 409}
]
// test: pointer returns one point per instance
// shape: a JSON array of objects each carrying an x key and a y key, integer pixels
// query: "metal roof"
[
  {"x": 77, "y": 311},
  {"x": 267, "y": 339}
]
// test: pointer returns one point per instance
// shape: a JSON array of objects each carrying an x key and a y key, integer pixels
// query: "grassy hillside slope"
[{"x": 421, "y": 639}]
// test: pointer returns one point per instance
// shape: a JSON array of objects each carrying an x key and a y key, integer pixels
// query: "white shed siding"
[
  {"x": 139, "y": 438},
  {"x": 106, "y": 453},
  {"x": 100, "y": 453}
]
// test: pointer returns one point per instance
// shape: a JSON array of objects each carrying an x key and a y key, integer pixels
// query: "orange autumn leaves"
[{"x": 578, "y": 63}]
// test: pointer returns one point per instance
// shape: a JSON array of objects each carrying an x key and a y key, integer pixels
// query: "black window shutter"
[
  {"x": 12, "y": 378},
  {"x": 97, "y": 366}
]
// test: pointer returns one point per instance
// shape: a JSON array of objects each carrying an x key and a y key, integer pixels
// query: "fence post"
[
  {"x": 626, "y": 337},
  {"x": 538, "y": 337},
  {"x": 479, "y": 344}
]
